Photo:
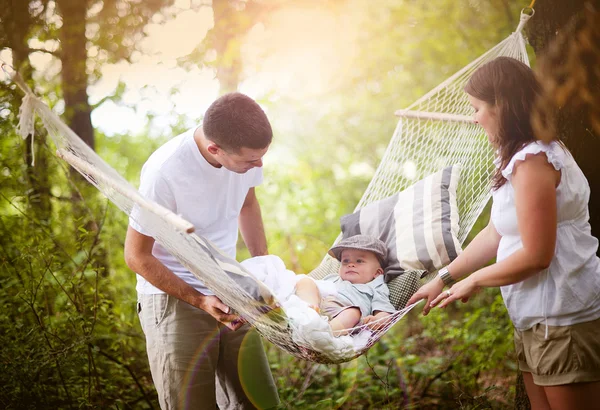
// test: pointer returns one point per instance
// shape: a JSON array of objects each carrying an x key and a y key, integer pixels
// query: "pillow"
[{"x": 419, "y": 225}]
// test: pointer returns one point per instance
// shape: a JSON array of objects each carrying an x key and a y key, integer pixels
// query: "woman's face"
[{"x": 486, "y": 116}]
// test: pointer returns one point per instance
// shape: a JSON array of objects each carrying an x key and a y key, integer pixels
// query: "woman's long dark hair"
[{"x": 511, "y": 87}]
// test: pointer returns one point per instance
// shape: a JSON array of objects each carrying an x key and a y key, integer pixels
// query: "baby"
[{"x": 359, "y": 288}]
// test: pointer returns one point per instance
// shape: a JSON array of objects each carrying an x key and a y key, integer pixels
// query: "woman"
[{"x": 546, "y": 262}]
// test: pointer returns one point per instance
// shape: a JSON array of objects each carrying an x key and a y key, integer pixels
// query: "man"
[{"x": 207, "y": 175}]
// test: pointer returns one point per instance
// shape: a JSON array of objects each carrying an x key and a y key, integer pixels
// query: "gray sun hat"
[{"x": 362, "y": 242}]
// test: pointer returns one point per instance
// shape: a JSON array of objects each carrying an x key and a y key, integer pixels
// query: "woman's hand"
[
  {"x": 461, "y": 290},
  {"x": 429, "y": 291}
]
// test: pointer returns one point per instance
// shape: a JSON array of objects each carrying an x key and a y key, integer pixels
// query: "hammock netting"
[{"x": 434, "y": 132}]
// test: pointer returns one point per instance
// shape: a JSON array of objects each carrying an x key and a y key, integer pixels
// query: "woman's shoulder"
[{"x": 555, "y": 154}]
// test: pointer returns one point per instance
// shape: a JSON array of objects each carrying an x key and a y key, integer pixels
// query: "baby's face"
[{"x": 359, "y": 266}]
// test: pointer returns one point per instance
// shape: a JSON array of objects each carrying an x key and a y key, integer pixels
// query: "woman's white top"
[{"x": 568, "y": 291}]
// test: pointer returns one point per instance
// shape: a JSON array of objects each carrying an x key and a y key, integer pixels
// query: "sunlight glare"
[
  {"x": 152, "y": 78},
  {"x": 409, "y": 170},
  {"x": 301, "y": 52},
  {"x": 179, "y": 36}
]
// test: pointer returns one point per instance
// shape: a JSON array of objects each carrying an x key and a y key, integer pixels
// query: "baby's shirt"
[{"x": 368, "y": 297}]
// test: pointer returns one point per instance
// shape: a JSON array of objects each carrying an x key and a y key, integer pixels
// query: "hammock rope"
[{"x": 434, "y": 132}]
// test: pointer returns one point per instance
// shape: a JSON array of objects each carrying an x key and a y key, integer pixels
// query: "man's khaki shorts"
[{"x": 571, "y": 354}]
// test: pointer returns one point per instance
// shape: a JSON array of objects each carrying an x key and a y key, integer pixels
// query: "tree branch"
[
  {"x": 129, "y": 370},
  {"x": 437, "y": 376},
  {"x": 42, "y": 50}
]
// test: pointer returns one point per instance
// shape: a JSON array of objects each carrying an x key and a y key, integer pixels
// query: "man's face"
[
  {"x": 359, "y": 266},
  {"x": 241, "y": 161}
]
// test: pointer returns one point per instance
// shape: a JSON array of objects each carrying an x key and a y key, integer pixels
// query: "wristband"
[{"x": 446, "y": 277}]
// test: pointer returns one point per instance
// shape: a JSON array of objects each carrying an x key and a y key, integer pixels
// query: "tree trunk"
[
  {"x": 19, "y": 23},
  {"x": 231, "y": 24},
  {"x": 551, "y": 16},
  {"x": 521, "y": 399},
  {"x": 78, "y": 113},
  {"x": 74, "y": 71},
  {"x": 573, "y": 127},
  {"x": 227, "y": 43}
]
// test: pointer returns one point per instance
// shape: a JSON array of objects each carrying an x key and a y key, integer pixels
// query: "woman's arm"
[
  {"x": 534, "y": 181},
  {"x": 479, "y": 252}
]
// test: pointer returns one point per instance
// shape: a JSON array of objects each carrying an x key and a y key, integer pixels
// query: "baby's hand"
[
  {"x": 315, "y": 308},
  {"x": 375, "y": 322},
  {"x": 368, "y": 319}
]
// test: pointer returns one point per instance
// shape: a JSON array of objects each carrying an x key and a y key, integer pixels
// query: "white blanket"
[{"x": 309, "y": 328}]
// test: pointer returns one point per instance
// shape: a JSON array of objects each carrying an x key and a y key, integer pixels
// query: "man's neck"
[{"x": 202, "y": 143}]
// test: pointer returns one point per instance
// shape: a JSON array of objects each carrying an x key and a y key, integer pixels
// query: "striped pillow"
[{"x": 419, "y": 225}]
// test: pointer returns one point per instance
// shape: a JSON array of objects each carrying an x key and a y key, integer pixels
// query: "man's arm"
[
  {"x": 251, "y": 225},
  {"x": 139, "y": 258}
]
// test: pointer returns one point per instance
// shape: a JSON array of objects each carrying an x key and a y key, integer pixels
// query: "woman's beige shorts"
[{"x": 570, "y": 354}]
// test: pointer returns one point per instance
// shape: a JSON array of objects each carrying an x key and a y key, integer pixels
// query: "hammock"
[{"x": 434, "y": 132}]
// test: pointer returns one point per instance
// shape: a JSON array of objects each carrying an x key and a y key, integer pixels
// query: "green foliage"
[
  {"x": 478, "y": 338},
  {"x": 68, "y": 327}
]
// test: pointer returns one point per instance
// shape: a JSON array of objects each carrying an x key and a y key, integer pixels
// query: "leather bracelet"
[{"x": 446, "y": 277}]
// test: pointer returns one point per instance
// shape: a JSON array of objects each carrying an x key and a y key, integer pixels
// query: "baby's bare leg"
[
  {"x": 345, "y": 320},
  {"x": 307, "y": 290}
]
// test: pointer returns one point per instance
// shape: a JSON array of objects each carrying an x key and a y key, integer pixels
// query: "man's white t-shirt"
[{"x": 179, "y": 178}]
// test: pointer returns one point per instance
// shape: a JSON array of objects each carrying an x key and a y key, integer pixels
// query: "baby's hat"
[{"x": 362, "y": 242}]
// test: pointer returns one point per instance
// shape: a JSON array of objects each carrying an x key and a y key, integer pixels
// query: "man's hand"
[{"x": 220, "y": 311}]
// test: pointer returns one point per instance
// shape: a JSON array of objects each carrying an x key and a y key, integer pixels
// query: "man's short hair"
[{"x": 236, "y": 121}]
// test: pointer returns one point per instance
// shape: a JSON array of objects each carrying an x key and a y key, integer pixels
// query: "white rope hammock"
[{"x": 434, "y": 132}]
